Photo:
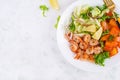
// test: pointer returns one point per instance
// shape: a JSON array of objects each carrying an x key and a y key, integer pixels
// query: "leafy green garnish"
[
  {"x": 105, "y": 32},
  {"x": 104, "y": 17},
  {"x": 84, "y": 16},
  {"x": 44, "y": 8},
  {"x": 58, "y": 19},
  {"x": 73, "y": 17},
  {"x": 111, "y": 37},
  {"x": 103, "y": 7},
  {"x": 102, "y": 44},
  {"x": 100, "y": 58},
  {"x": 90, "y": 9},
  {"x": 72, "y": 27}
]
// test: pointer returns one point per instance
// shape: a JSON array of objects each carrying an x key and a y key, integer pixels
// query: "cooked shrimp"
[
  {"x": 83, "y": 45},
  {"x": 91, "y": 58},
  {"x": 77, "y": 39},
  {"x": 90, "y": 50},
  {"x": 97, "y": 50},
  {"x": 87, "y": 38},
  {"x": 68, "y": 36},
  {"x": 93, "y": 42},
  {"x": 73, "y": 46},
  {"x": 79, "y": 53},
  {"x": 85, "y": 56},
  {"x": 77, "y": 56}
]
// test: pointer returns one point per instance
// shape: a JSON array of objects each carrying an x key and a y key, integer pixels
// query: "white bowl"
[{"x": 64, "y": 45}]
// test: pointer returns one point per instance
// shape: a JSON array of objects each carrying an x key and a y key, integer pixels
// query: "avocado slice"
[
  {"x": 97, "y": 34},
  {"x": 91, "y": 28}
]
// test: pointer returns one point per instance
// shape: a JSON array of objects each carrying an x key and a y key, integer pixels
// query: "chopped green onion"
[{"x": 58, "y": 19}]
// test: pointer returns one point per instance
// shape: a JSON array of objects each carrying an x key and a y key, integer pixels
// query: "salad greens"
[
  {"x": 87, "y": 19},
  {"x": 103, "y": 7},
  {"x": 84, "y": 16},
  {"x": 72, "y": 26},
  {"x": 100, "y": 58},
  {"x": 44, "y": 8},
  {"x": 95, "y": 12}
]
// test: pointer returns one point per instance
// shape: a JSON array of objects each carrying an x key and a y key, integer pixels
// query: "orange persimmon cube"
[{"x": 113, "y": 52}]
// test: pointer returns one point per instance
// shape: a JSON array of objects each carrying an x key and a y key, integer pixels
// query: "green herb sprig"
[
  {"x": 44, "y": 8},
  {"x": 100, "y": 58},
  {"x": 105, "y": 32},
  {"x": 111, "y": 37},
  {"x": 104, "y": 17},
  {"x": 103, "y": 7}
]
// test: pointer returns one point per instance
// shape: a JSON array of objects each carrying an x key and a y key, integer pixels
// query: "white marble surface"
[{"x": 28, "y": 46}]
